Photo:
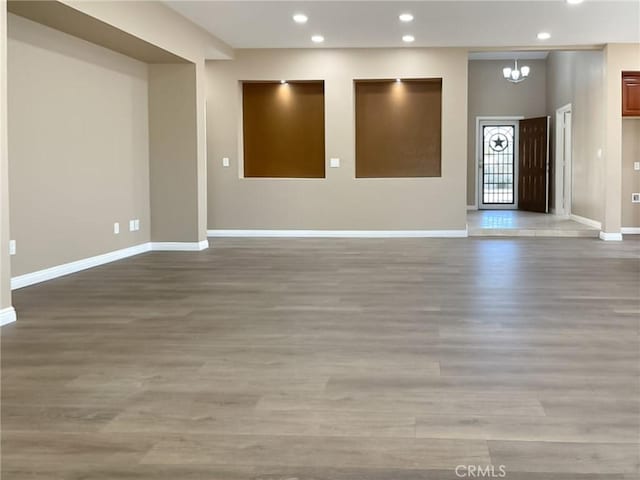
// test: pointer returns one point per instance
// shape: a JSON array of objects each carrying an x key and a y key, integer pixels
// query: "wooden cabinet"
[{"x": 631, "y": 94}]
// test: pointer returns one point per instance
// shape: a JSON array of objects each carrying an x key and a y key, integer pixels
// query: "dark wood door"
[{"x": 533, "y": 165}]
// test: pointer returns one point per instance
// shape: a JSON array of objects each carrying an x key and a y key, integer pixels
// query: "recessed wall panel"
[
  {"x": 398, "y": 128},
  {"x": 283, "y": 129}
]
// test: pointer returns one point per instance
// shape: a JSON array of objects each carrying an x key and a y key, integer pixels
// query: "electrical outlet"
[
  {"x": 225, "y": 162},
  {"x": 12, "y": 247},
  {"x": 636, "y": 166},
  {"x": 116, "y": 228},
  {"x": 334, "y": 162},
  {"x": 132, "y": 225},
  {"x": 635, "y": 198}
]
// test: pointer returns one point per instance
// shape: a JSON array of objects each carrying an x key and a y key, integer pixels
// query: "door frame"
[
  {"x": 563, "y": 161},
  {"x": 480, "y": 122}
]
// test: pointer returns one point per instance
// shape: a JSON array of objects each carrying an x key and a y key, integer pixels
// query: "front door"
[
  {"x": 533, "y": 165},
  {"x": 498, "y": 165}
]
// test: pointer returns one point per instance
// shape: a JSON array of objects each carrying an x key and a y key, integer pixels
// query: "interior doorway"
[
  {"x": 512, "y": 159},
  {"x": 563, "y": 161}
]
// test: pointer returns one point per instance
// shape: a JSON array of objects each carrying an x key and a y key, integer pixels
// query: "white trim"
[
  {"x": 341, "y": 233},
  {"x": 472, "y": 207},
  {"x": 586, "y": 221},
  {"x": 179, "y": 246},
  {"x": 563, "y": 186},
  {"x": 610, "y": 237},
  {"x": 68, "y": 268},
  {"x": 72, "y": 267},
  {"x": 7, "y": 315},
  {"x": 630, "y": 230},
  {"x": 548, "y": 159}
]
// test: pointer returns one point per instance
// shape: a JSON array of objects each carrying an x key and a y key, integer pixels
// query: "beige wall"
[
  {"x": 150, "y": 21},
  {"x": 618, "y": 57},
  {"x": 491, "y": 95},
  {"x": 576, "y": 77},
  {"x": 173, "y": 152},
  {"x": 5, "y": 263},
  {"x": 78, "y": 146},
  {"x": 156, "y": 23},
  {"x": 339, "y": 201},
  {"x": 630, "y": 177}
]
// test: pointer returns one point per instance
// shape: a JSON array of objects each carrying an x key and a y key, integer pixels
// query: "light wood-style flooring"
[{"x": 331, "y": 359}]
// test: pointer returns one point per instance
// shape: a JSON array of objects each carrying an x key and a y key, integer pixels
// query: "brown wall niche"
[
  {"x": 398, "y": 128},
  {"x": 283, "y": 129}
]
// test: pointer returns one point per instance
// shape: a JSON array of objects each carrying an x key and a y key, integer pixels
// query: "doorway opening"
[{"x": 512, "y": 158}]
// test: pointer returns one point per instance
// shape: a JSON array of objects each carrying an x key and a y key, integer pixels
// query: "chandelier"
[{"x": 515, "y": 74}]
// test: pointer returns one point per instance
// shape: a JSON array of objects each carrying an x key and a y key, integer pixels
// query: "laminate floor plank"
[
  {"x": 372, "y": 452},
  {"x": 566, "y": 457},
  {"x": 601, "y": 429}
]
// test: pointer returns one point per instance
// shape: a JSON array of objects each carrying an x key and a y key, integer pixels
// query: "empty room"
[{"x": 320, "y": 240}]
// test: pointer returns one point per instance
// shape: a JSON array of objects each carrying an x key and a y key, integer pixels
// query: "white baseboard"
[
  {"x": 179, "y": 246},
  {"x": 472, "y": 207},
  {"x": 586, "y": 221},
  {"x": 7, "y": 315},
  {"x": 32, "y": 278},
  {"x": 67, "y": 268},
  {"x": 630, "y": 230},
  {"x": 610, "y": 237},
  {"x": 341, "y": 233}
]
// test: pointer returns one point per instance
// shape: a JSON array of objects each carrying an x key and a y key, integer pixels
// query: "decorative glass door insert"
[{"x": 498, "y": 166}]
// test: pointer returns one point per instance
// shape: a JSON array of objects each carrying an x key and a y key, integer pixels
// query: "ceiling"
[
  {"x": 509, "y": 55},
  {"x": 453, "y": 23}
]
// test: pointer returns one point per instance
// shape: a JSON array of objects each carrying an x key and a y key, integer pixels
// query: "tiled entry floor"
[{"x": 517, "y": 223}]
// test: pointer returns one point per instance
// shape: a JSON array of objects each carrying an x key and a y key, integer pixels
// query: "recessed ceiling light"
[
  {"x": 544, "y": 36},
  {"x": 300, "y": 18},
  {"x": 574, "y": 2},
  {"x": 408, "y": 38},
  {"x": 317, "y": 39},
  {"x": 405, "y": 17}
]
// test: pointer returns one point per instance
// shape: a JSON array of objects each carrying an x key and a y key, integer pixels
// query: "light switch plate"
[
  {"x": 334, "y": 162},
  {"x": 635, "y": 198},
  {"x": 12, "y": 247},
  {"x": 636, "y": 165},
  {"x": 116, "y": 228},
  {"x": 136, "y": 224},
  {"x": 225, "y": 162},
  {"x": 132, "y": 225}
]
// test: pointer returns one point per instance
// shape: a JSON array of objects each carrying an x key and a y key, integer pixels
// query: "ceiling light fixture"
[
  {"x": 317, "y": 39},
  {"x": 300, "y": 18},
  {"x": 515, "y": 74},
  {"x": 283, "y": 82},
  {"x": 544, "y": 36},
  {"x": 574, "y": 2},
  {"x": 408, "y": 38},
  {"x": 406, "y": 17},
  {"x": 398, "y": 80}
]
